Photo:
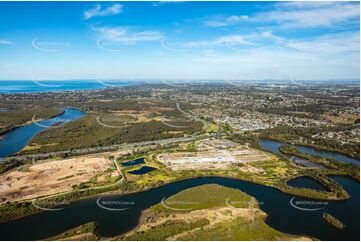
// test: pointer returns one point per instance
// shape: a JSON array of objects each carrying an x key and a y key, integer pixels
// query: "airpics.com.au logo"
[
  {"x": 170, "y": 47},
  {"x": 187, "y": 205},
  {"x": 114, "y": 205},
  {"x": 176, "y": 84},
  {"x": 242, "y": 204},
  {"x": 166, "y": 121},
  {"x": 110, "y": 46},
  {"x": 119, "y": 46},
  {"x": 50, "y": 205},
  {"x": 56, "y": 122},
  {"x": 49, "y": 46},
  {"x": 109, "y": 122},
  {"x": 178, "y": 205},
  {"x": 307, "y": 205},
  {"x": 191, "y": 116},
  {"x": 47, "y": 84},
  {"x": 107, "y": 83}
]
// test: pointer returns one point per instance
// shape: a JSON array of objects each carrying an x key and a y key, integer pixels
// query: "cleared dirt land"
[
  {"x": 50, "y": 177},
  {"x": 211, "y": 159}
]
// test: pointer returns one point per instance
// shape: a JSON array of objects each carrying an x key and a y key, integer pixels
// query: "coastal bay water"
[
  {"x": 281, "y": 214},
  {"x": 16, "y": 139},
  {"x": 30, "y": 86}
]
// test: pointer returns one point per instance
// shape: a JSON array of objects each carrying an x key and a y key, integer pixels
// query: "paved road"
[{"x": 109, "y": 148}]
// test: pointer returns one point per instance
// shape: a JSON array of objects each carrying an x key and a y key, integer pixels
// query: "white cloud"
[
  {"x": 123, "y": 35},
  {"x": 329, "y": 44},
  {"x": 325, "y": 48},
  {"x": 304, "y": 4},
  {"x": 333, "y": 55},
  {"x": 234, "y": 39},
  {"x": 298, "y": 15},
  {"x": 98, "y": 11},
  {"x": 252, "y": 39},
  {"x": 230, "y": 20},
  {"x": 157, "y": 4},
  {"x": 5, "y": 42},
  {"x": 269, "y": 35},
  {"x": 280, "y": 63},
  {"x": 310, "y": 15},
  {"x": 222, "y": 40}
]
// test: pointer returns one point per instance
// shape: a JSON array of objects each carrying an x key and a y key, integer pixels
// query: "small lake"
[
  {"x": 306, "y": 182},
  {"x": 274, "y": 146},
  {"x": 281, "y": 215},
  {"x": 16, "y": 139},
  {"x": 133, "y": 162},
  {"x": 142, "y": 170}
]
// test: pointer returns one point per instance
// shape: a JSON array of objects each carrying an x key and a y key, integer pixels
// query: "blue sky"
[{"x": 179, "y": 40}]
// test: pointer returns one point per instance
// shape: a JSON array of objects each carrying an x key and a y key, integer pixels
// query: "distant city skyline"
[{"x": 180, "y": 40}]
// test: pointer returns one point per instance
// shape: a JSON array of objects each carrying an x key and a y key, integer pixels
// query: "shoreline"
[
  {"x": 29, "y": 123},
  {"x": 107, "y": 194},
  {"x": 316, "y": 147},
  {"x": 115, "y": 193}
]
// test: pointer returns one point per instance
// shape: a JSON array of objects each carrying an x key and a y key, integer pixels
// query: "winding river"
[
  {"x": 281, "y": 214},
  {"x": 16, "y": 139}
]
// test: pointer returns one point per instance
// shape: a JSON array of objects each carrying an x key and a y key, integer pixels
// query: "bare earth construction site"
[
  {"x": 214, "y": 156},
  {"x": 54, "y": 177}
]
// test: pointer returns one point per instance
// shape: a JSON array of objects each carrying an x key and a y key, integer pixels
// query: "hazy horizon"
[{"x": 182, "y": 80}]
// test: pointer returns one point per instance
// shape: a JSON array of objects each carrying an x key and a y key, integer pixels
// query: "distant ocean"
[{"x": 57, "y": 86}]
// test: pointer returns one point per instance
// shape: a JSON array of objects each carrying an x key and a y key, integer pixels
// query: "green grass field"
[
  {"x": 238, "y": 229},
  {"x": 165, "y": 230},
  {"x": 205, "y": 197}
]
